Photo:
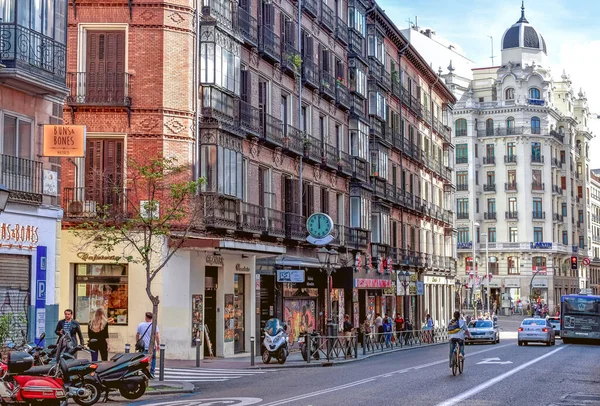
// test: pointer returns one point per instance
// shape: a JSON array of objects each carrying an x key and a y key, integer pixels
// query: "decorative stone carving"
[
  {"x": 277, "y": 72},
  {"x": 176, "y": 17},
  {"x": 208, "y": 136},
  {"x": 297, "y": 166},
  {"x": 175, "y": 126},
  {"x": 148, "y": 124},
  {"x": 333, "y": 180},
  {"x": 277, "y": 157},
  {"x": 316, "y": 173},
  {"x": 147, "y": 15},
  {"x": 254, "y": 148},
  {"x": 254, "y": 57}
]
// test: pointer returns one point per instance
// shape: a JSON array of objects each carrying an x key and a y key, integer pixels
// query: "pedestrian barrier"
[
  {"x": 332, "y": 347},
  {"x": 410, "y": 338}
]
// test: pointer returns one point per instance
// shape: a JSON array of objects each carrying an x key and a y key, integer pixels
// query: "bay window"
[
  {"x": 223, "y": 170},
  {"x": 357, "y": 20},
  {"x": 380, "y": 231},
  {"x": 358, "y": 80},
  {"x": 379, "y": 163},
  {"x": 360, "y": 211},
  {"x": 378, "y": 105},
  {"x": 376, "y": 47},
  {"x": 221, "y": 66},
  {"x": 359, "y": 140}
]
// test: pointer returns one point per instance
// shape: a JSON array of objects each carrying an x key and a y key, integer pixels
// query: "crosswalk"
[{"x": 209, "y": 374}]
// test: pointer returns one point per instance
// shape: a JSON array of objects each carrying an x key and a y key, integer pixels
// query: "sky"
[{"x": 569, "y": 28}]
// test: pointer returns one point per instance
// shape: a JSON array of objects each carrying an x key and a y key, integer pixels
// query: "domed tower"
[{"x": 523, "y": 44}]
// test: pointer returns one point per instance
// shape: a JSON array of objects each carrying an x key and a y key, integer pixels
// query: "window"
[
  {"x": 378, "y": 105},
  {"x": 492, "y": 234},
  {"x": 565, "y": 238},
  {"x": 360, "y": 209},
  {"x": 538, "y": 264},
  {"x": 491, "y": 205},
  {"x": 512, "y": 264},
  {"x": 477, "y": 177},
  {"x": 536, "y": 176},
  {"x": 537, "y": 207},
  {"x": 512, "y": 204},
  {"x": 535, "y": 125},
  {"x": 379, "y": 164},
  {"x": 308, "y": 198},
  {"x": 376, "y": 47},
  {"x": 463, "y": 235},
  {"x": 462, "y": 153},
  {"x": 581, "y": 242},
  {"x": 358, "y": 80},
  {"x": 359, "y": 140},
  {"x": 462, "y": 182},
  {"x": 512, "y": 177},
  {"x": 534, "y": 93},
  {"x": 7, "y": 11},
  {"x": 489, "y": 127},
  {"x": 460, "y": 126},
  {"x": 102, "y": 286},
  {"x": 513, "y": 234},
  {"x": 511, "y": 149},
  {"x": 509, "y": 94},
  {"x": 538, "y": 234},
  {"x": 220, "y": 66},
  {"x": 564, "y": 209},
  {"x": 462, "y": 208},
  {"x": 510, "y": 126},
  {"x": 47, "y": 17},
  {"x": 491, "y": 177},
  {"x": 223, "y": 170},
  {"x": 356, "y": 20},
  {"x": 324, "y": 200},
  {"x": 536, "y": 151},
  {"x": 380, "y": 223},
  {"x": 563, "y": 157},
  {"x": 477, "y": 205},
  {"x": 489, "y": 150},
  {"x": 17, "y": 137}
]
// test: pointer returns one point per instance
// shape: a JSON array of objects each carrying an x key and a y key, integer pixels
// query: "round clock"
[{"x": 319, "y": 225}]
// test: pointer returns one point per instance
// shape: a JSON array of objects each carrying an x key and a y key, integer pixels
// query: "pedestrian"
[
  {"x": 347, "y": 328},
  {"x": 378, "y": 326},
  {"x": 98, "y": 330},
  {"x": 408, "y": 331},
  {"x": 387, "y": 330},
  {"x": 144, "y": 332},
  {"x": 399, "y": 321},
  {"x": 429, "y": 329},
  {"x": 70, "y": 327}
]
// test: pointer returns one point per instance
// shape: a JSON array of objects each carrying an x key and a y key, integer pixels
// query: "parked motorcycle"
[
  {"x": 314, "y": 344},
  {"x": 275, "y": 342},
  {"x": 127, "y": 373}
]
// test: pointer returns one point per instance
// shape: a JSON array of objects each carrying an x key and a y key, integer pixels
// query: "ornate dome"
[{"x": 523, "y": 35}]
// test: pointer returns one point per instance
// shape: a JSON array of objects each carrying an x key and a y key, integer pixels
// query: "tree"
[{"x": 148, "y": 220}]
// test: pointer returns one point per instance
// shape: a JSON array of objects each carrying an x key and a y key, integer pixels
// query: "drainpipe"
[
  {"x": 300, "y": 103},
  {"x": 196, "y": 82}
]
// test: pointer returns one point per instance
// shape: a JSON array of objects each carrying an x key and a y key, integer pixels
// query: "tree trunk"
[{"x": 155, "y": 301}]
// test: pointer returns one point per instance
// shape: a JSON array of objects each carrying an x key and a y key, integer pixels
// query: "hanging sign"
[{"x": 64, "y": 140}]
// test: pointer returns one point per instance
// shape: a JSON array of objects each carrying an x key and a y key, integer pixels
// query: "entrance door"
[
  {"x": 104, "y": 173},
  {"x": 239, "y": 312},
  {"x": 210, "y": 306},
  {"x": 105, "y": 67}
]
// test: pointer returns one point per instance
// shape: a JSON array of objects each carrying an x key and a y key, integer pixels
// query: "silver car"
[
  {"x": 483, "y": 331},
  {"x": 536, "y": 330}
]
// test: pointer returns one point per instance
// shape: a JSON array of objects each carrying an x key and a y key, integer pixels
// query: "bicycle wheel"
[
  {"x": 461, "y": 365},
  {"x": 454, "y": 362}
]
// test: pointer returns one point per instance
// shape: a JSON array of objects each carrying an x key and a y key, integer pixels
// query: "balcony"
[
  {"x": 342, "y": 96},
  {"x": 331, "y": 156},
  {"x": 248, "y": 27},
  {"x": 310, "y": 7},
  {"x": 328, "y": 85},
  {"x": 220, "y": 106},
  {"x": 378, "y": 187},
  {"x": 379, "y": 75},
  {"x": 269, "y": 44},
  {"x": 275, "y": 223},
  {"x": 489, "y": 160},
  {"x": 98, "y": 89},
  {"x": 537, "y": 186},
  {"x": 356, "y": 44},
  {"x": 250, "y": 119},
  {"x": 345, "y": 164},
  {"x": 252, "y": 218},
  {"x": 89, "y": 202},
  {"x": 272, "y": 130},
  {"x": 341, "y": 31},
  {"x": 312, "y": 149},
  {"x": 462, "y": 160},
  {"x": 339, "y": 236},
  {"x": 357, "y": 238},
  {"x": 295, "y": 227},
  {"x": 23, "y": 177},
  {"x": 360, "y": 169},
  {"x": 462, "y": 187},
  {"x": 327, "y": 17},
  {"x": 310, "y": 74},
  {"x": 290, "y": 58},
  {"x": 539, "y": 215},
  {"x": 557, "y": 217},
  {"x": 511, "y": 215},
  {"x": 357, "y": 108},
  {"x": 462, "y": 215},
  {"x": 557, "y": 190},
  {"x": 555, "y": 162},
  {"x": 464, "y": 245},
  {"x": 293, "y": 140},
  {"x": 537, "y": 159},
  {"x": 489, "y": 215},
  {"x": 489, "y": 187},
  {"x": 510, "y": 186},
  {"x": 461, "y": 132},
  {"x": 220, "y": 212},
  {"x": 510, "y": 159}
]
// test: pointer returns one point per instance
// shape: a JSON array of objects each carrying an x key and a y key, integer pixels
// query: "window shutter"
[
  {"x": 283, "y": 28},
  {"x": 262, "y": 94},
  {"x": 310, "y": 48},
  {"x": 246, "y": 86}
]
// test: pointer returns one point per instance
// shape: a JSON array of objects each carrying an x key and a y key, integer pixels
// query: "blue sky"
[{"x": 569, "y": 27}]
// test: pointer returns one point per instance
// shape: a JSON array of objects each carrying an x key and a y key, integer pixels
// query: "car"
[
  {"x": 555, "y": 321},
  {"x": 483, "y": 331},
  {"x": 534, "y": 330}
]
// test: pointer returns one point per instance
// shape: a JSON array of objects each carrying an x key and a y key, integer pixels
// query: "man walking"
[
  {"x": 144, "y": 331},
  {"x": 70, "y": 327}
]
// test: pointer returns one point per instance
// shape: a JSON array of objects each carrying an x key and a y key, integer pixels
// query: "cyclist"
[{"x": 456, "y": 332}]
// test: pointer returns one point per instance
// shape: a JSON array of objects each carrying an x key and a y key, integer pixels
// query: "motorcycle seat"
[
  {"x": 103, "y": 366},
  {"x": 39, "y": 370}
]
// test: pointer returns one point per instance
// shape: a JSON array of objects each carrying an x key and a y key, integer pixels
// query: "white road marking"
[
  {"x": 493, "y": 361},
  {"x": 457, "y": 399},
  {"x": 211, "y": 402},
  {"x": 209, "y": 375},
  {"x": 374, "y": 378}
]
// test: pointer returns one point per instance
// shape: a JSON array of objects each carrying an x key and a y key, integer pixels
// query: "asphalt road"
[{"x": 502, "y": 374}]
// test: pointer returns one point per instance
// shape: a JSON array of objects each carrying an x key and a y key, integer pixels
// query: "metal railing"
[
  {"x": 327, "y": 17},
  {"x": 510, "y": 186},
  {"x": 489, "y": 160},
  {"x": 328, "y": 84},
  {"x": 250, "y": 118},
  {"x": 310, "y": 73},
  {"x": 248, "y": 26},
  {"x": 342, "y": 96},
  {"x": 341, "y": 30},
  {"x": 91, "y": 202},
  {"x": 23, "y": 177},
  {"x": 99, "y": 88},
  {"x": 372, "y": 342},
  {"x": 511, "y": 215},
  {"x": 311, "y": 7},
  {"x": 510, "y": 159},
  {"x": 272, "y": 129},
  {"x": 269, "y": 43}
]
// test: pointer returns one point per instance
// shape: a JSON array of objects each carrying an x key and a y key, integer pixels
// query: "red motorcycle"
[{"x": 29, "y": 390}]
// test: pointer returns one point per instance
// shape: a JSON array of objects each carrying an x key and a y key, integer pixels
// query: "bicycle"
[{"x": 457, "y": 363}]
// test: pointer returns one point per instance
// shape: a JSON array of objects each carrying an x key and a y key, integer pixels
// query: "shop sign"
[
  {"x": 64, "y": 140},
  {"x": 293, "y": 276},
  {"x": 84, "y": 256},
  {"x": 214, "y": 260},
  {"x": 495, "y": 283},
  {"x": 18, "y": 233},
  {"x": 420, "y": 288},
  {"x": 435, "y": 280},
  {"x": 539, "y": 283},
  {"x": 541, "y": 245},
  {"x": 413, "y": 277},
  {"x": 241, "y": 268},
  {"x": 372, "y": 283},
  {"x": 412, "y": 288}
]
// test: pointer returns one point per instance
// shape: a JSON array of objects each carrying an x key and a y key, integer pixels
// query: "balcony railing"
[
  {"x": 310, "y": 73},
  {"x": 489, "y": 187},
  {"x": 489, "y": 215},
  {"x": 461, "y": 132},
  {"x": 462, "y": 160},
  {"x": 295, "y": 226},
  {"x": 489, "y": 160},
  {"x": 22, "y": 47},
  {"x": 537, "y": 159},
  {"x": 269, "y": 43},
  {"x": 556, "y": 162},
  {"x": 327, "y": 17},
  {"x": 356, "y": 43},
  {"x": 312, "y": 148},
  {"x": 89, "y": 202},
  {"x": 252, "y": 218},
  {"x": 378, "y": 73},
  {"x": 289, "y": 58},
  {"x": 540, "y": 215},
  {"x": 511, "y": 215},
  {"x": 510, "y": 159},
  {"x": 357, "y": 107},
  {"x": 248, "y": 27},
  {"x": 99, "y": 89},
  {"x": 220, "y": 212},
  {"x": 342, "y": 96},
  {"x": 360, "y": 169},
  {"x": 462, "y": 187},
  {"x": 311, "y": 7},
  {"x": 272, "y": 130},
  {"x": 510, "y": 186},
  {"x": 250, "y": 120},
  {"x": 345, "y": 164},
  {"x": 341, "y": 31},
  {"x": 331, "y": 156},
  {"x": 23, "y": 177},
  {"x": 462, "y": 215},
  {"x": 293, "y": 139},
  {"x": 339, "y": 234},
  {"x": 537, "y": 186},
  {"x": 328, "y": 85},
  {"x": 557, "y": 189},
  {"x": 275, "y": 220},
  {"x": 557, "y": 217},
  {"x": 219, "y": 105},
  {"x": 357, "y": 238}
]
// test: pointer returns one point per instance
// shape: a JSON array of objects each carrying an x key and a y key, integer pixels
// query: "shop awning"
[{"x": 286, "y": 261}]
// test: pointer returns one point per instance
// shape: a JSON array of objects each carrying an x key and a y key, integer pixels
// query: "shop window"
[
  {"x": 513, "y": 266},
  {"x": 101, "y": 286}
]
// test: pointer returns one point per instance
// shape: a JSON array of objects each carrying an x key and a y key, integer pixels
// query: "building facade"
[
  {"x": 593, "y": 220},
  {"x": 32, "y": 91},
  {"x": 521, "y": 159}
]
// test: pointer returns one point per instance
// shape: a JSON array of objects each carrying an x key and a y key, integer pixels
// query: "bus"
[{"x": 579, "y": 317}]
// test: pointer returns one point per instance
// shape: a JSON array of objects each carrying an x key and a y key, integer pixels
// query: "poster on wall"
[
  {"x": 356, "y": 315},
  {"x": 229, "y": 315},
  {"x": 197, "y": 319},
  {"x": 299, "y": 314},
  {"x": 341, "y": 309},
  {"x": 371, "y": 309}
]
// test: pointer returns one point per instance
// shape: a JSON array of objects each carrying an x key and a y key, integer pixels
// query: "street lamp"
[
  {"x": 403, "y": 278},
  {"x": 328, "y": 259},
  {"x": 487, "y": 271},
  {"x": 4, "y": 194},
  {"x": 458, "y": 287},
  {"x": 474, "y": 265}
]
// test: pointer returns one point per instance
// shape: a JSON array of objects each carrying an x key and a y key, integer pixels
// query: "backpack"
[{"x": 453, "y": 326}]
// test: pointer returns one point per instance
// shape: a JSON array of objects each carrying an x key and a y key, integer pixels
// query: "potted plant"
[
  {"x": 306, "y": 143},
  {"x": 296, "y": 61}
]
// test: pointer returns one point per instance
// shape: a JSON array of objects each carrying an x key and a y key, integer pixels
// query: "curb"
[{"x": 172, "y": 388}]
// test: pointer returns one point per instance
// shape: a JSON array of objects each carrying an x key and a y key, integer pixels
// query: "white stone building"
[{"x": 594, "y": 230}]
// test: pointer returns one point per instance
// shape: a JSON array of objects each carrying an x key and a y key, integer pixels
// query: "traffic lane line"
[
  {"x": 479, "y": 388},
  {"x": 373, "y": 378}
]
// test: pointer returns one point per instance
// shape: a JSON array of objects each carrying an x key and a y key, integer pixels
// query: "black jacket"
[
  {"x": 101, "y": 336},
  {"x": 75, "y": 330}
]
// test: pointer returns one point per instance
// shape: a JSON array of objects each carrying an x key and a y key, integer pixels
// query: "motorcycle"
[
  {"x": 314, "y": 344},
  {"x": 127, "y": 373},
  {"x": 275, "y": 342}
]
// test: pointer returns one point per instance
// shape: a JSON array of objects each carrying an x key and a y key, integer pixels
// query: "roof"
[{"x": 523, "y": 35}]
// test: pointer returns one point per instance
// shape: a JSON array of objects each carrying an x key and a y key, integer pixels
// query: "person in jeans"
[
  {"x": 348, "y": 334},
  {"x": 399, "y": 321},
  {"x": 144, "y": 332},
  {"x": 98, "y": 330}
]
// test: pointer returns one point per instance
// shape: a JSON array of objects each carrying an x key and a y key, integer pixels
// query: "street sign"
[
  {"x": 293, "y": 276},
  {"x": 586, "y": 261}
]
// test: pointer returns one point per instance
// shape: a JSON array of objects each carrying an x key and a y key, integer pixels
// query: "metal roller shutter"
[{"x": 15, "y": 271}]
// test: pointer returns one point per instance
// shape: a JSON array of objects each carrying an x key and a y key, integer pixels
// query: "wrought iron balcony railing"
[
  {"x": 89, "y": 202},
  {"x": 511, "y": 215},
  {"x": 310, "y": 73},
  {"x": 327, "y": 17},
  {"x": 345, "y": 164},
  {"x": 293, "y": 139},
  {"x": 537, "y": 159},
  {"x": 290, "y": 57},
  {"x": 510, "y": 186},
  {"x": 328, "y": 85},
  {"x": 341, "y": 31},
  {"x": 295, "y": 226},
  {"x": 23, "y": 177},
  {"x": 491, "y": 215},
  {"x": 510, "y": 159},
  {"x": 537, "y": 186},
  {"x": 272, "y": 130},
  {"x": 250, "y": 120},
  {"x": 489, "y": 187},
  {"x": 311, "y": 7},
  {"x": 269, "y": 44},
  {"x": 248, "y": 26},
  {"x": 489, "y": 160},
  {"x": 342, "y": 96},
  {"x": 99, "y": 89},
  {"x": 539, "y": 215}
]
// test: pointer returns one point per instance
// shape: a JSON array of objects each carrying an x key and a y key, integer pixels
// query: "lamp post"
[
  {"x": 474, "y": 266},
  {"x": 487, "y": 271},
  {"x": 328, "y": 259},
  {"x": 404, "y": 279},
  {"x": 4, "y": 194},
  {"x": 458, "y": 286}
]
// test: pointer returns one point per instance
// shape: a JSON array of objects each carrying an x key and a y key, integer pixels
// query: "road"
[{"x": 502, "y": 374}]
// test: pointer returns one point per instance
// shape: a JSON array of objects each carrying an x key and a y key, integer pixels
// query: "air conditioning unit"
[{"x": 82, "y": 208}]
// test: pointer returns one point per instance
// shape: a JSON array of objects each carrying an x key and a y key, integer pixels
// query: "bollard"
[
  {"x": 251, "y": 351},
  {"x": 198, "y": 340},
  {"x": 127, "y": 348},
  {"x": 364, "y": 343},
  {"x": 161, "y": 372}
]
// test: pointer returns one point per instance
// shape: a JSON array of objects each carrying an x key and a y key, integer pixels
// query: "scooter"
[
  {"x": 127, "y": 373},
  {"x": 314, "y": 344},
  {"x": 275, "y": 342}
]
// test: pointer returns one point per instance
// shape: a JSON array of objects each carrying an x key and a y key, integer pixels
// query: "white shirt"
[
  {"x": 146, "y": 336},
  {"x": 461, "y": 333}
]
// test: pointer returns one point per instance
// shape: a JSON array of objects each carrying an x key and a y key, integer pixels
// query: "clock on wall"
[{"x": 319, "y": 225}]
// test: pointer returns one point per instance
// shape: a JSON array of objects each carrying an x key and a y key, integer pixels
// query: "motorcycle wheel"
[
  {"x": 304, "y": 352},
  {"x": 95, "y": 393},
  {"x": 133, "y": 392},
  {"x": 282, "y": 357},
  {"x": 266, "y": 357}
]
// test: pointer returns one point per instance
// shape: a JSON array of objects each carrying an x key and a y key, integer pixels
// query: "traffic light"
[{"x": 574, "y": 263}]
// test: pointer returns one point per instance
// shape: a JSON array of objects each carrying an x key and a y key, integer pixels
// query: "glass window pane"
[
  {"x": 24, "y": 140},
  {"x": 9, "y": 145},
  {"x": 7, "y": 11}
]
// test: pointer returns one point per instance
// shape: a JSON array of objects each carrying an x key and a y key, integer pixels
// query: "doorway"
[
  {"x": 239, "y": 312},
  {"x": 210, "y": 308}
]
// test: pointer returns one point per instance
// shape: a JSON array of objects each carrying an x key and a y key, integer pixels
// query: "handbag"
[{"x": 139, "y": 346}]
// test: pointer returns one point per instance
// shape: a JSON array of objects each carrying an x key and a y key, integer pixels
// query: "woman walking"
[{"x": 98, "y": 329}]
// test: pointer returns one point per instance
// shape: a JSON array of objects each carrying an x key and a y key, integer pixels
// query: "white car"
[
  {"x": 555, "y": 321},
  {"x": 536, "y": 330},
  {"x": 483, "y": 331}
]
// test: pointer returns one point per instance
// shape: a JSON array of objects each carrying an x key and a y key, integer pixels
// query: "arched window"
[
  {"x": 535, "y": 125},
  {"x": 561, "y": 130},
  {"x": 460, "y": 126},
  {"x": 534, "y": 93},
  {"x": 510, "y": 126},
  {"x": 489, "y": 127},
  {"x": 509, "y": 94}
]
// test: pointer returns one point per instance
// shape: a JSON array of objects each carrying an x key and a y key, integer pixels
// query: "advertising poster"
[
  {"x": 197, "y": 318},
  {"x": 299, "y": 314},
  {"x": 356, "y": 314},
  {"x": 229, "y": 315}
]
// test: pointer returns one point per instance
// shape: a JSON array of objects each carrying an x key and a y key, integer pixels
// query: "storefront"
[
  {"x": 539, "y": 292},
  {"x": 438, "y": 298}
]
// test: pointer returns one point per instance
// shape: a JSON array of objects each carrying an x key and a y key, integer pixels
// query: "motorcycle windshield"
[{"x": 272, "y": 326}]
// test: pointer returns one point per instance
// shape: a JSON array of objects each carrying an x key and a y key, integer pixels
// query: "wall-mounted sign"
[
  {"x": 464, "y": 245},
  {"x": 19, "y": 233},
  {"x": 293, "y": 276},
  {"x": 539, "y": 283},
  {"x": 64, "y": 140},
  {"x": 435, "y": 280},
  {"x": 512, "y": 283},
  {"x": 214, "y": 260},
  {"x": 372, "y": 283},
  {"x": 420, "y": 288},
  {"x": 197, "y": 319},
  {"x": 84, "y": 256},
  {"x": 240, "y": 268},
  {"x": 50, "y": 184},
  {"x": 540, "y": 245}
]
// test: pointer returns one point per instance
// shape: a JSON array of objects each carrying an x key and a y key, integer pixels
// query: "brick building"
[{"x": 340, "y": 116}]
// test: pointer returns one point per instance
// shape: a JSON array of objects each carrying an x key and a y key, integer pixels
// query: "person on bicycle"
[{"x": 457, "y": 328}]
